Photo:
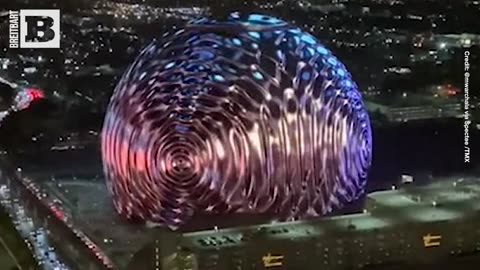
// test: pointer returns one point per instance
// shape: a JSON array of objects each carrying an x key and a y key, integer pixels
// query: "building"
[
  {"x": 409, "y": 225},
  {"x": 399, "y": 227}
]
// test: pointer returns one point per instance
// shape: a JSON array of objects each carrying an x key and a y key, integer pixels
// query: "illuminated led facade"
[{"x": 245, "y": 115}]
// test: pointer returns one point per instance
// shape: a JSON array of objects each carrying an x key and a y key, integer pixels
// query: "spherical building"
[{"x": 245, "y": 115}]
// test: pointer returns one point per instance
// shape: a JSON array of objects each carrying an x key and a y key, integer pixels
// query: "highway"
[{"x": 37, "y": 238}]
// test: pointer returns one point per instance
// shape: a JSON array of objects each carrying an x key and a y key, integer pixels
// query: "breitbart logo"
[{"x": 34, "y": 28}]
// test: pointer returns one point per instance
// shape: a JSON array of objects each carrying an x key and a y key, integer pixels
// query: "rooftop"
[
  {"x": 444, "y": 200},
  {"x": 86, "y": 201}
]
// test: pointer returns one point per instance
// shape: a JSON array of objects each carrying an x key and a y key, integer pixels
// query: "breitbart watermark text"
[{"x": 34, "y": 28}]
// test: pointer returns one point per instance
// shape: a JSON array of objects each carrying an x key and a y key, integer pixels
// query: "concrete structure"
[
  {"x": 414, "y": 225},
  {"x": 398, "y": 227},
  {"x": 404, "y": 114}
]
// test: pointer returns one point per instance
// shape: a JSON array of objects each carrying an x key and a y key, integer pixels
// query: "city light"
[{"x": 179, "y": 135}]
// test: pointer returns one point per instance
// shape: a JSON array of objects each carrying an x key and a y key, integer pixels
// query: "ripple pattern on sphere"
[{"x": 245, "y": 115}]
